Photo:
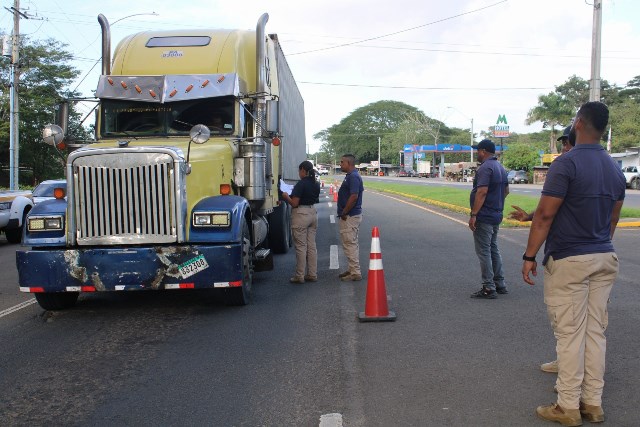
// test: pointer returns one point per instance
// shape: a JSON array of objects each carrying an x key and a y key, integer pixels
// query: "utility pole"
[
  {"x": 379, "y": 166},
  {"x": 596, "y": 42},
  {"x": 14, "y": 79}
]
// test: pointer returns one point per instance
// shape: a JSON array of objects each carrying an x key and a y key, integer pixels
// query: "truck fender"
[
  {"x": 239, "y": 211},
  {"x": 47, "y": 208}
]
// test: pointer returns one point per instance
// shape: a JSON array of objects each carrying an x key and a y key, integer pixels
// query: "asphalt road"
[{"x": 298, "y": 353}]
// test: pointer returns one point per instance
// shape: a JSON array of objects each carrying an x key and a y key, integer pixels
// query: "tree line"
[{"x": 397, "y": 124}]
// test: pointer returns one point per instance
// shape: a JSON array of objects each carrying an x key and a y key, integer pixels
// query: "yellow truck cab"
[{"x": 194, "y": 130}]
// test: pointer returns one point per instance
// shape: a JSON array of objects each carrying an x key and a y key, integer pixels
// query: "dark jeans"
[{"x": 486, "y": 244}]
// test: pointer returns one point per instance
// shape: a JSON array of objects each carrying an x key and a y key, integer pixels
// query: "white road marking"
[
  {"x": 331, "y": 420},
  {"x": 426, "y": 209},
  {"x": 333, "y": 257},
  {"x": 329, "y": 204},
  {"x": 332, "y": 219},
  {"x": 17, "y": 307}
]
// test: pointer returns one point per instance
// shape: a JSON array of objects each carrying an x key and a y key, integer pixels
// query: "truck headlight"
[
  {"x": 5, "y": 206},
  {"x": 211, "y": 219},
  {"x": 49, "y": 223}
]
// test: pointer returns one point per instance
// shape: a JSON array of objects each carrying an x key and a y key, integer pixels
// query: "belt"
[{"x": 304, "y": 206}]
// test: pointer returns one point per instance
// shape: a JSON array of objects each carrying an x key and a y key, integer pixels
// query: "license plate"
[{"x": 193, "y": 266}]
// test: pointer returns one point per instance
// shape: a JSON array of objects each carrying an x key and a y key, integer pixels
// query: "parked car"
[
  {"x": 517, "y": 177},
  {"x": 14, "y": 207},
  {"x": 402, "y": 172},
  {"x": 323, "y": 171},
  {"x": 44, "y": 190},
  {"x": 632, "y": 177}
]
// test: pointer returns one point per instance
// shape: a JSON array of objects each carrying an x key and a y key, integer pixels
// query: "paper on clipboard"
[{"x": 285, "y": 188}]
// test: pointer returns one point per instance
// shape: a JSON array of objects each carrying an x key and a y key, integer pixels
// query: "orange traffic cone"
[
  {"x": 376, "y": 309},
  {"x": 331, "y": 189},
  {"x": 335, "y": 196}
]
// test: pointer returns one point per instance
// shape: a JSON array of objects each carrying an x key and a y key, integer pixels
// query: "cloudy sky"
[{"x": 455, "y": 60}]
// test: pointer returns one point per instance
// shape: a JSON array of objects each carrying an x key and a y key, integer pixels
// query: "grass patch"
[{"x": 457, "y": 199}]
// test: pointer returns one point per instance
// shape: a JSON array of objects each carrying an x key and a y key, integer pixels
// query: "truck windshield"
[{"x": 175, "y": 118}]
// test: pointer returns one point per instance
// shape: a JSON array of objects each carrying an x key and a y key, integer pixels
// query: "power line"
[{"x": 402, "y": 31}]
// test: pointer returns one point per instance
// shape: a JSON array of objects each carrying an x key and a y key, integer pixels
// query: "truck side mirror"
[{"x": 53, "y": 135}]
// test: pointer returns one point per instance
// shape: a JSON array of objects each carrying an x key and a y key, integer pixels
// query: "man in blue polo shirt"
[
  {"x": 350, "y": 214},
  {"x": 490, "y": 188},
  {"x": 577, "y": 215}
]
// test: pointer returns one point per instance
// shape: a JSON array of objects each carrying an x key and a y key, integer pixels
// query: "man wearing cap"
[
  {"x": 577, "y": 216},
  {"x": 490, "y": 188}
]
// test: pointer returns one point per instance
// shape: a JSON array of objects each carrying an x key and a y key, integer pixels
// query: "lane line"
[
  {"x": 331, "y": 420},
  {"x": 426, "y": 209},
  {"x": 333, "y": 257},
  {"x": 332, "y": 219},
  {"x": 17, "y": 307}
]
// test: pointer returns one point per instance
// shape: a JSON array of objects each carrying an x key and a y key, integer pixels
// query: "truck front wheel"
[
  {"x": 242, "y": 294},
  {"x": 280, "y": 229},
  {"x": 635, "y": 185},
  {"x": 57, "y": 300}
]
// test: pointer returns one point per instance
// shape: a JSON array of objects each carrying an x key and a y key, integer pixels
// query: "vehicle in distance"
[
  {"x": 517, "y": 177},
  {"x": 322, "y": 170},
  {"x": 14, "y": 206},
  {"x": 44, "y": 190},
  {"x": 632, "y": 177}
]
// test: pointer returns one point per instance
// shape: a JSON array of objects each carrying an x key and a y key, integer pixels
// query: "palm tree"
[{"x": 552, "y": 110}]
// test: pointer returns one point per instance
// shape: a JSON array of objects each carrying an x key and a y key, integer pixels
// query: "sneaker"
[
  {"x": 592, "y": 413},
  {"x": 296, "y": 280},
  {"x": 351, "y": 278},
  {"x": 485, "y": 294},
  {"x": 502, "y": 291},
  {"x": 310, "y": 278},
  {"x": 551, "y": 367},
  {"x": 344, "y": 274},
  {"x": 555, "y": 413}
]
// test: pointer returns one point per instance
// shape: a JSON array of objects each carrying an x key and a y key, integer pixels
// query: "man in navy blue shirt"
[
  {"x": 490, "y": 188},
  {"x": 577, "y": 215},
  {"x": 350, "y": 214}
]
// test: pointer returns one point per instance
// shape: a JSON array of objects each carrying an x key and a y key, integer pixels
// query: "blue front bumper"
[{"x": 131, "y": 268}]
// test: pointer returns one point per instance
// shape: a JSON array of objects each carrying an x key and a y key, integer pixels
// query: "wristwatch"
[
  {"x": 528, "y": 258},
  {"x": 473, "y": 214}
]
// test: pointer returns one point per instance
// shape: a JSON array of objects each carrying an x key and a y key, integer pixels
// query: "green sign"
[{"x": 502, "y": 119}]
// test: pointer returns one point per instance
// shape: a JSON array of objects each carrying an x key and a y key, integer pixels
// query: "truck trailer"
[{"x": 194, "y": 129}]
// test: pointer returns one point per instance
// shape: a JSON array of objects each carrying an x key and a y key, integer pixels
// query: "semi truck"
[{"x": 194, "y": 130}]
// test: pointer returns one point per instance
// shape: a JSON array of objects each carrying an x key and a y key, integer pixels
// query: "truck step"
[{"x": 262, "y": 253}]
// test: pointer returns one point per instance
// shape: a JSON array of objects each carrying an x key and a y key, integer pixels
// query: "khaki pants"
[
  {"x": 349, "y": 234},
  {"x": 304, "y": 224},
  {"x": 576, "y": 292}
]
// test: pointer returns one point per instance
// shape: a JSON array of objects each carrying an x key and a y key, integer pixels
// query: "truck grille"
[{"x": 124, "y": 198}]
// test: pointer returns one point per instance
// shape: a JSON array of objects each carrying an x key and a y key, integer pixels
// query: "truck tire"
[
  {"x": 57, "y": 300},
  {"x": 635, "y": 185},
  {"x": 14, "y": 235},
  {"x": 280, "y": 229},
  {"x": 242, "y": 295}
]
